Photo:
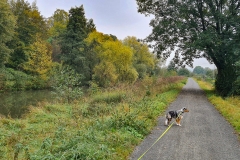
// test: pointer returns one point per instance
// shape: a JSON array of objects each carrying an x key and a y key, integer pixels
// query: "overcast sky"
[{"x": 117, "y": 17}]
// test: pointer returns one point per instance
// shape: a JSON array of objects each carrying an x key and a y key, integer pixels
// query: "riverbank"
[
  {"x": 106, "y": 124},
  {"x": 15, "y": 104}
]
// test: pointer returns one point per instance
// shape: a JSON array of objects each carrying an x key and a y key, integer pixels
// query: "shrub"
[
  {"x": 129, "y": 75},
  {"x": 128, "y": 121},
  {"x": 113, "y": 97},
  {"x": 142, "y": 70},
  {"x": 66, "y": 84},
  {"x": 105, "y": 74},
  {"x": 15, "y": 80}
]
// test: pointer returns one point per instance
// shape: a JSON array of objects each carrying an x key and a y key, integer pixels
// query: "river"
[{"x": 15, "y": 104}]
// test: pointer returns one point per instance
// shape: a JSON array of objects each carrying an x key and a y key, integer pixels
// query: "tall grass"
[
  {"x": 108, "y": 124},
  {"x": 228, "y": 107}
]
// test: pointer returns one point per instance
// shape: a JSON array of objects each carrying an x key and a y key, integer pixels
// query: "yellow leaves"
[
  {"x": 128, "y": 75},
  {"x": 117, "y": 53},
  {"x": 121, "y": 57},
  {"x": 39, "y": 58},
  {"x": 141, "y": 52},
  {"x": 115, "y": 59},
  {"x": 98, "y": 37},
  {"x": 131, "y": 58},
  {"x": 105, "y": 74}
]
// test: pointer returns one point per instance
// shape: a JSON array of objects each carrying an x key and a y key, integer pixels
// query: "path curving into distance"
[{"x": 204, "y": 134}]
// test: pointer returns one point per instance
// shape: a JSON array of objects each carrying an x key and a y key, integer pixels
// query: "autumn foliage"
[{"x": 36, "y": 46}]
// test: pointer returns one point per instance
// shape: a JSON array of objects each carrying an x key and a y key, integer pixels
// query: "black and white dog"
[{"x": 177, "y": 115}]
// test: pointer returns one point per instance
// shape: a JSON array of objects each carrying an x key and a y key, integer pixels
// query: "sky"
[{"x": 116, "y": 17}]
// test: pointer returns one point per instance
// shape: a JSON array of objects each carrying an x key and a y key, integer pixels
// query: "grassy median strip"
[
  {"x": 228, "y": 107},
  {"x": 104, "y": 124}
]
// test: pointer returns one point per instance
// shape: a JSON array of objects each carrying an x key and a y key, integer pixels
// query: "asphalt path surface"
[{"x": 204, "y": 134}]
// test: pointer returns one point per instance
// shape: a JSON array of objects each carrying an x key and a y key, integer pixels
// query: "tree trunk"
[{"x": 225, "y": 80}]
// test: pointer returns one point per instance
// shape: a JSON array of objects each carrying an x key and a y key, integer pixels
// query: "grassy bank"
[
  {"x": 228, "y": 107},
  {"x": 104, "y": 124}
]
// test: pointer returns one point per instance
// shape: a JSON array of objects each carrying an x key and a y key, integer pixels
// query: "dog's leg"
[
  {"x": 166, "y": 122},
  {"x": 178, "y": 121},
  {"x": 180, "y": 118},
  {"x": 168, "y": 119}
]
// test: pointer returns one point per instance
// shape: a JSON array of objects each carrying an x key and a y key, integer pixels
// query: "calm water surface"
[{"x": 15, "y": 104}]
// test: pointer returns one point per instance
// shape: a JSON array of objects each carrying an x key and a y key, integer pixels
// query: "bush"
[
  {"x": 11, "y": 79},
  {"x": 142, "y": 70},
  {"x": 129, "y": 121},
  {"x": 66, "y": 84},
  {"x": 105, "y": 74},
  {"x": 129, "y": 75},
  {"x": 113, "y": 97}
]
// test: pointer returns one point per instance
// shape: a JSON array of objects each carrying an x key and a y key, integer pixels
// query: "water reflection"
[{"x": 15, "y": 104}]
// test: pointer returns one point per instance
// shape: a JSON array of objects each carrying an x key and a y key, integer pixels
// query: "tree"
[
  {"x": 66, "y": 84},
  {"x": 57, "y": 25},
  {"x": 105, "y": 74},
  {"x": 7, "y": 26},
  {"x": 39, "y": 59},
  {"x": 94, "y": 43},
  {"x": 110, "y": 60},
  {"x": 197, "y": 28},
  {"x": 72, "y": 40},
  {"x": 199, "y": 70},
  {"x": 172, "y": 66},
  {"x": 209, "y": 72},
  {"x": 236, "y": 88},
  {"x": 183, "y": 72},
  {"x": 121, "y": 57},
  {"x": 143, "y": 59},
  {"x": 29, "y": 24},
  {"x": 29, "y": 21}
]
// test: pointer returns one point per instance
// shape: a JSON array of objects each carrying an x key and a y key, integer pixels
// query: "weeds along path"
[{"x": 204, "y": 134}]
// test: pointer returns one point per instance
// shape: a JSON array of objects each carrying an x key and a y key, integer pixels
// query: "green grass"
[
  {"x": 112, "y": 97},
  {"x": 228, "y": 107},
  {"x": 109, "y": 124}
]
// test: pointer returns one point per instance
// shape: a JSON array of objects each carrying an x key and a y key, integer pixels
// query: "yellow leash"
[{"x": 157, "y": 139}]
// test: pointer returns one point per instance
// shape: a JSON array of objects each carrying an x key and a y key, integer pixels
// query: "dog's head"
[{"x": 185, "y": 110}]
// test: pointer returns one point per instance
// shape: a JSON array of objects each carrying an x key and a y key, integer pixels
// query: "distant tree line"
[{"x": 197, "y": 71}]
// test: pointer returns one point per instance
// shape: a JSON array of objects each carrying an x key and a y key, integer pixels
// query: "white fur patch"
[
  {"x": 169, "y": 116},
  {"x": 166, "y": 122}
]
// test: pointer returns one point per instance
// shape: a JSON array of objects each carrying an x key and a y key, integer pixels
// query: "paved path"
[{"x": 204, "y": 134}]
